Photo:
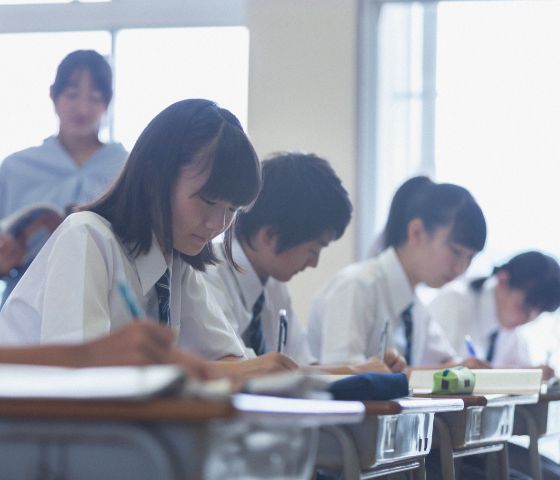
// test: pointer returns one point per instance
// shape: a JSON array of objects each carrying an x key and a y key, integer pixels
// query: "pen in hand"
[
  {"x": 130, "y": 299},
  {"x": 383, "y": 341},
  {"x": 470, "y": 346}
]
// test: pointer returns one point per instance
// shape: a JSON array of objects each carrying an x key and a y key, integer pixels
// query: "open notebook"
[
  {"x": 487, "y": 382},
  {"x": 23, "y": 381}
]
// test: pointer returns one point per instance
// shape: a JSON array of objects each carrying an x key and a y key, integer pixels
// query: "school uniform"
[
  {"x": 238, "y": 292},
  {"x": 348, "y": 316},
  {"x": 461, "y": 310},
  {"x": 47, "y": 174},
  {"x": 70, "y": 292}
]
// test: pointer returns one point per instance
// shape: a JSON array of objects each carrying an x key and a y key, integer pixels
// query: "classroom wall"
[{"x": 302, "y": 96}]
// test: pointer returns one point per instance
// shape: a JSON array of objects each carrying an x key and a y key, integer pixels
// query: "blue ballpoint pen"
[
  {"x": 130, "y": 300},
  {"x": 470, "y": 346}
]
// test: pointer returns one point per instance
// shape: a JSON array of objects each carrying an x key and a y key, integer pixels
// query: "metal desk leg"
[
  {"x": 350, "y": 462},
  {"x": 503, "y": 464},
  {"x": 420, "y": 473},
  {"x": 536, "y": 468},
  {"x": 445, "y": 449}
]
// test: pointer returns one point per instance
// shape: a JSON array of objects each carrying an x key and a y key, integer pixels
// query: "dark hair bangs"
[
  {"x": 469, "y": 225},
  {"x": 78, "y": 62},
  {"x": 538, "y": 276},
  {"x": 235, "y": 174}
]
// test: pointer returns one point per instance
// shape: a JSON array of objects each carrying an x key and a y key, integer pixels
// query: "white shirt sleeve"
[
  {"x": 436, "y": 348},
  {"x": 448, "y": 310},
  {"x": 297, "y": 346},
  {"x": 222, "y": 295},
  {"x": 340, "y": 320},
  {"x": 511, "y": 350},
  {"x": 204, "y": 328},
  {"x": 76, "y": 301},
  {"x": 63, "y": 296}
]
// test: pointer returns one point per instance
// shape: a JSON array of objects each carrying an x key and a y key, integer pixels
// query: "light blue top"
[{"x": 47, "y": 174}]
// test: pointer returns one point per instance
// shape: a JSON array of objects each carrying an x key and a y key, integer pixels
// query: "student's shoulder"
[
  {"x": 17, "y": 159},
  {"x": 87, "y": 223},
  {"x": 355, "y": 279},
  {"x": 365, "y": 273}
]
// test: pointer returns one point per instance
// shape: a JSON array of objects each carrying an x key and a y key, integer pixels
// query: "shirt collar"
[
  {"x": 249, "y": 282},
  {"x": 150, "y": 266},
  {"x": 399, "y": 291}
]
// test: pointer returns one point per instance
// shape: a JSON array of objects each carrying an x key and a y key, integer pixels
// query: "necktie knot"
[
  {"x": 163, "y": 291},
  {"x": 253, "y": 336}
]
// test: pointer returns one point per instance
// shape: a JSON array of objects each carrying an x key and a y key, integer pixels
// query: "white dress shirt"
[
  {"x": 236, "y": 293},
  {"x": 348, "y": 316},
  {"x": 69, "y": 293},
  {"x": 461, "y": 311}
]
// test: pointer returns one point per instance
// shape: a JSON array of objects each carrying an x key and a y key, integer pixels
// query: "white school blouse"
[
  {"x": 348, "y": 316},
  {"x": 69, "y": 293},
  {"x": 236, "y": 293},
  {"x": 461, "y": 311}
]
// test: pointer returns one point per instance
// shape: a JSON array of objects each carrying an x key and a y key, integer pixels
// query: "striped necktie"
[
  {"x": 406, "y": 317},
  {"x": 253, "y": 336},
  {"x": 163, "y": 290},
  {"x": 491, "y": 351}
]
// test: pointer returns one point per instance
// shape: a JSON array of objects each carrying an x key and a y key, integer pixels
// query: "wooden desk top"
[
  {"x": 162, "y": 410},
  {"x": 312, "y": 412}
]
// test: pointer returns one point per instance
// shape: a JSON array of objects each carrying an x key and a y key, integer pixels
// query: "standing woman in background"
[
  {"x": 69, "y": 168},
  {"x": 490, "y": 309}
]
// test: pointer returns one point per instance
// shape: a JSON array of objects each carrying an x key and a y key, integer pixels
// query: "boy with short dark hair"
[{"x": 301, "y": 208}]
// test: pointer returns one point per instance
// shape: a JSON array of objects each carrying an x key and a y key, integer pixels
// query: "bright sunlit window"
[
  {"x": 152, "y": 68},
  {"x": 156, "y": 67},
  {"x": 496, "y": 99}
]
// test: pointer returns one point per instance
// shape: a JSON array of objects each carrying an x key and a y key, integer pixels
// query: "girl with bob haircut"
[
  {"x": 72, "y": 167},
  {"x": 432, "y": 233},
  {"x": 490, "y": 309},
  {"x": 190, "y": 171}
]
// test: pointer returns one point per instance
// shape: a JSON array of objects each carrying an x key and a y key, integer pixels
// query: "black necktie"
[
  {"x": 253, "y": 336},
  {"x": 406, "y": 317},
  {"x": 491, "y": 346},
  {"x": 163, "y": 292}
]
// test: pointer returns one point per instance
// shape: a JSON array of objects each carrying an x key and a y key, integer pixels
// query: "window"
[
  {"x": 209, "y": 62},
  {"x": 479, "y": 81},
  {"x": 156, "y": 67}
]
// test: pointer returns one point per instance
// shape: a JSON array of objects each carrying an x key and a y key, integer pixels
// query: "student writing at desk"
[
  {"x": 431, "y": 236},
  {"x": 301, "y": 208},
  {"x": 490, "y": 309},
  {"x": 70, "y": 168},
  {"x": 190, "y": 171}
]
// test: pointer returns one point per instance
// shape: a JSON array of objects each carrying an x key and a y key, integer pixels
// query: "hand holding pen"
[{"x": 472, "y": 361}]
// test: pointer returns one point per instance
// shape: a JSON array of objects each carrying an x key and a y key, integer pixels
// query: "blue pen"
[
  {"x": 130, "y": 300},
  {"x": 470, "y": 346}
]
